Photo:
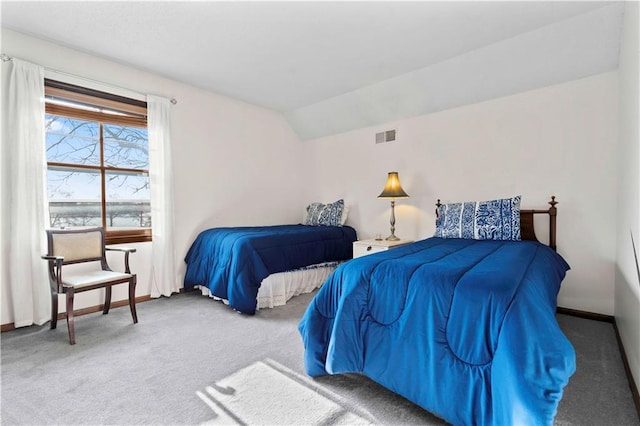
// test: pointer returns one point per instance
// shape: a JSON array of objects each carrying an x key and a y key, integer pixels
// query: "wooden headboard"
[
  {"x": 527, "y": 231},
  {"x": 526, "y": 223}
]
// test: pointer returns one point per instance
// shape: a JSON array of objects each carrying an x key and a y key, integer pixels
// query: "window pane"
[
  {"x": 74, "y": 197},
  {"x": 74, "y": 141},
  {"x": 126, "y": 147},
  {"x": 128, "y": 201}
]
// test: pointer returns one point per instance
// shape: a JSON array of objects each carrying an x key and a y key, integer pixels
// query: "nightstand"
[{"x": 364, "y": 247}]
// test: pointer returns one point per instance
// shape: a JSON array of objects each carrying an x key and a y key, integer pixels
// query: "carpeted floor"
[{"x": 187, "y": 350}]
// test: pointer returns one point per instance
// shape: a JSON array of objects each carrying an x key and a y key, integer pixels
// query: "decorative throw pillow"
[
  {"x": 343, "y": 218},
  {"x": 319, "y": 214},
  {"x": 480, "y": 220}
]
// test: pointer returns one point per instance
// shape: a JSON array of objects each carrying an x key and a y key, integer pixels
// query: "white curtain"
[
  {"x": 28, "y": 282},
  {"x": 164, "y": 280}
]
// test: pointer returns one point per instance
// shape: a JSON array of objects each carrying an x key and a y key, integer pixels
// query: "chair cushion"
[{"x": 87, "y": 278}]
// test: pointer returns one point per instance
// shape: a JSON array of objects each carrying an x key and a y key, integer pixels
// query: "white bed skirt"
[{"x": 276, "y": 289}]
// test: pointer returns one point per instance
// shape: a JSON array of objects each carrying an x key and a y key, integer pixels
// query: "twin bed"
[
  {"x": 264, "y": 266},
  {"x": 232, "y": 264},
  {"x": 462, "y": 324}
]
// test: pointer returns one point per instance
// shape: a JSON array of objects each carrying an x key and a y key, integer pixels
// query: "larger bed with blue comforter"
[
  {"x": 232, "y": 262},
  {"x": 464, "y": 328}
]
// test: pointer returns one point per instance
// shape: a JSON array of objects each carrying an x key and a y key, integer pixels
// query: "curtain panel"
[
  {"x": 164, "y": 280},
  {"x": 26, "y": 159}
]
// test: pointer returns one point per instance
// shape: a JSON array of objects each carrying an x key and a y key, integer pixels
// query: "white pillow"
[{"x": 345, "y": 213}]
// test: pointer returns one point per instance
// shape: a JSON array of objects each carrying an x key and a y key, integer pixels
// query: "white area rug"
[{"x": 267, "y": 393}]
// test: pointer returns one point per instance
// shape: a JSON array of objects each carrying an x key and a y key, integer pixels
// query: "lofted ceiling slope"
[{"x": 331, "y": 67}]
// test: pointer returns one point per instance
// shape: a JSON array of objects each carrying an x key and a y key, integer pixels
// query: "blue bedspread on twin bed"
[
  {"x": 232, "y": 262},
  {"x": 464, "y": 328}
]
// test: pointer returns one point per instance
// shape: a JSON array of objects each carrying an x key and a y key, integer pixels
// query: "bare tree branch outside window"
[{"x": 80, "y": 153}]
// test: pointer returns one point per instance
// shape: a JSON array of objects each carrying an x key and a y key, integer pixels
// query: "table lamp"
[{"x": 393, "y": 190}]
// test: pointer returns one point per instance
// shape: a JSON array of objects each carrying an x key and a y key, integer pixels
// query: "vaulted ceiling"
[{"x": 331, "y": 67}]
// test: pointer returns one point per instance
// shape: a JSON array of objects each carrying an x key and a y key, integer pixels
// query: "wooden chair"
[{"x": 66, "y": 247}]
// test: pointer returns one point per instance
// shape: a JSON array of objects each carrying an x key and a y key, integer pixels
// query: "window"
[{"x": 97, "y": 162}]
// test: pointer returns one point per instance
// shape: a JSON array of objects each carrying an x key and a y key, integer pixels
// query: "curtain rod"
[{"x": 6, "y": 58}]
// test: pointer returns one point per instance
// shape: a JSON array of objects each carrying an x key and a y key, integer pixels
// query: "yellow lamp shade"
[{"x": 392, "y": 188}]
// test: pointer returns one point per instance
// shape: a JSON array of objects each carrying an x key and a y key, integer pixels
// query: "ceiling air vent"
[{"x": 386, "y": 136}]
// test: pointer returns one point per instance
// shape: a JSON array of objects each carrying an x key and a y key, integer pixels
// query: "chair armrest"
[
  {"x": 123, "y": 249},
  {"x": 55, "y": 271},
  {"x": 126, "y": 251}
]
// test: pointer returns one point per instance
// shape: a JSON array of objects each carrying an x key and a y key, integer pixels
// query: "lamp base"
[{"x": 392, "y": 238}]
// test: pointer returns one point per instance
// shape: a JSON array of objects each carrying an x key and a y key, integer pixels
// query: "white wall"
[
  {"x": 560, "y": 140},
  {"x": 627, "y": 289},
  {"x": 234, "y": 163}
]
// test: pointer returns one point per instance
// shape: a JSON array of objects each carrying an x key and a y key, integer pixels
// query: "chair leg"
[
  {"x": 107, "y": 300},
  {"x": 72, "y": 332},
  {"x": 132, "y": 298},
  {"x": 54, "y": 310}
]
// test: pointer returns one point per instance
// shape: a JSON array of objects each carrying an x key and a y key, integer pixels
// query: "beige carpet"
[
  {"x": 148, "y": 373},
  {"x": 267, "y": 393}
]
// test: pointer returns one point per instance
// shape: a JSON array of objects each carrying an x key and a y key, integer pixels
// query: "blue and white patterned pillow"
[
  {"x": 480, "y": 220},
  {"x": 319, "y": 214}
]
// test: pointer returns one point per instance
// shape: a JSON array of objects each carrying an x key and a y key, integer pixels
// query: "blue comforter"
[
  {"x": 464, "y": 328},
  {"x": 232, "y": 262}
]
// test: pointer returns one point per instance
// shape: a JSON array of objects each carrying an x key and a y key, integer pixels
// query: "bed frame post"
[{"x": 553, "y": 213}]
